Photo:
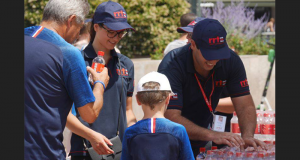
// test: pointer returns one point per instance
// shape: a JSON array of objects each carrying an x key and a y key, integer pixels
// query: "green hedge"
[{"x": 155, "y": 22}]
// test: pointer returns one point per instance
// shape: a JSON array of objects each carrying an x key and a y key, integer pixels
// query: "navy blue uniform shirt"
[
  {"x": 156, "y": 138},
  {"x": 107, "y": 121},
  {"x": 178, "y": 66}
]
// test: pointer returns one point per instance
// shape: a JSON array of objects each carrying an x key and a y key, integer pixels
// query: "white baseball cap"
[{"x": 154, "y": 77}]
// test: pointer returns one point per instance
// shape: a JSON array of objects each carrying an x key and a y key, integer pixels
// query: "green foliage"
[
  {"x": 244, "y": 46},
  {"x": 155, "y": 22},
  {"x": 33, "y": 11}
]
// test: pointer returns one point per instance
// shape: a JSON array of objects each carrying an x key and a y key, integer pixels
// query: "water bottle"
[
  {"x": 235, "y": 128},
  {"x": 273, "y": 126},
  {"x": 259, "y": 120},
  {"x": 272, "y": 156},
  {"x": 266, "y": 127},
  {"x": 209, "y": 155},
  {"x": 260, "y": 156},
  {"x": 249, "y": 156},
  {"x": 238, "y": 156},
  {"x": 98, "y": 65},
  {"x": 230, "y": 156},
  {"x": 201, "y": 155},
  {"x": 220, "y": 155}
]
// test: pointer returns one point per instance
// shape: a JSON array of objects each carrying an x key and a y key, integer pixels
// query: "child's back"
[{"x": 155, "y": 137}]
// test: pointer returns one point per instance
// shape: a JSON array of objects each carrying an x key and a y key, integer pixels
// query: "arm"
[
  {"x": 225, "y": 105},
  {"x": 246, "y": 113},
  {"x": 97, "y": 140},
  {"x": 131, "y": 119},
  {"x": 196, "y": 132},
  {"x": 90, "y": 111}
]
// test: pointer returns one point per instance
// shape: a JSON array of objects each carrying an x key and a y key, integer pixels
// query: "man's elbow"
[{"x": 90, "y": 119}]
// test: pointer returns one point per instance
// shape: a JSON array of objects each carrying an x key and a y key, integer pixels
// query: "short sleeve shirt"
[
  {"x": 107, "y": 121},
  {"x": 178, "y": 66},
  {"x": 156, "y": 138},
  {"x": 55, "y": 77}
]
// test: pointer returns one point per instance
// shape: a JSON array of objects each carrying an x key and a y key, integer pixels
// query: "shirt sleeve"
[
  {"x": 237, "y": 81},
  {"x": 125, "y": 153},
  {"x": 186, "y": 149},
  {"x": 130, "y": 86},
  {"x": 175, "y": 79},
  {"x": 75, "y": 78}
]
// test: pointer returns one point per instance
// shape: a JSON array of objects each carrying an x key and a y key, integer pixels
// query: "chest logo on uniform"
[
  {"x": 123, "y": 71},
  {"x": 174, "y": 97},
  {"x": 244, "y": 83},
  {"x": 220, "y": 83}
]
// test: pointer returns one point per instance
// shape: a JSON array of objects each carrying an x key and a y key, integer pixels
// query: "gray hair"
[{"x": 60, "y": 10}]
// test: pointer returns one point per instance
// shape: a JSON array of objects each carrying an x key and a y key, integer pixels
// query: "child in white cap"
[{"x": 155, "y": 137}]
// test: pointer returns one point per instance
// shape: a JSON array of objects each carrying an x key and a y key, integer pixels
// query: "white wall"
[{"x": 257, "y": 68}]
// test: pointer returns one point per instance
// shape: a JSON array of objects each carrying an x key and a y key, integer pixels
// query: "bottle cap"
[
  {"x": 238, "y": 154},
  {"x": 214, "y": 147},
  {"x": 266, "y": 114},
  {"x": 260, "y": 155},
  {"x": 249, "y": 154},
  {"x": 234, "y": 113},
  {"x": 100, "y": 53},
  {"x": 209, "y": 152},
  {"x": 230, "y": 153},
  {"x": 268, "y": 142},
  {"x": 202, "y": 149},
  {"x": 220, "y": 153}
]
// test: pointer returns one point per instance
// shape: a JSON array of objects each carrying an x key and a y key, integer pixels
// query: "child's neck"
[{"x": 157, "y": 112}]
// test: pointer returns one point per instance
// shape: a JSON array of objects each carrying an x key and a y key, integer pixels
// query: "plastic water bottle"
[
  {"x": 98, "y": 65},
  {"x": 230, "y": 156},
  {"x": 272, "y": 156},
  {"x": 235, "y": 128},
  {"x": 260, "y": 156},
  {"x": 201, "y": 155},
  {"x": 249, "y": 156},
  {"x": 259, "y": 120},
  {"x": 238, "y": 156},
  {"x": 220, "y": 155},
  {"x": 266, "y": 127},
  {"x": 209, "y": 155},
  {"x": 273, "y": 127}
]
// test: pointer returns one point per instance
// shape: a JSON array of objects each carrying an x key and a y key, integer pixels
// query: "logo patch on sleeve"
[
  {"x": 244, "y": 83},
  {"x": 174, "y": 97}
]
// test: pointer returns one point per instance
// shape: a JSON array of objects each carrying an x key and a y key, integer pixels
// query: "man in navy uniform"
[{"x": 193, "y": 72}]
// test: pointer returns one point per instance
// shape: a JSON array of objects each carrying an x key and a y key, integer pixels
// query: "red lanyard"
[{"x": 203, "y": 93}]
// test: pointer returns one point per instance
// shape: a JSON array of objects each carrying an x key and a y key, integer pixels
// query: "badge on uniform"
[{"x": 219, "y": 123}]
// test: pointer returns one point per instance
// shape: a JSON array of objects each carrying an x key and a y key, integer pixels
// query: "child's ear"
[
  {"x": 168, "y": 100},
  {"x": 137, "y": 100}
]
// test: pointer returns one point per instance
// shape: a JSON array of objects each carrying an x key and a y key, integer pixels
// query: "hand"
[
  {"x": 230, "y": 139},
  {"x": 102, "y": 76},
  {"x": 250, "y": 141},
  {"x": 99, "y": 143}
]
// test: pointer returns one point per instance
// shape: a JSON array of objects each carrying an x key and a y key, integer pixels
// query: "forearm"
[
  {"x": 194, "y": 131},
  {"x": 246, "y": 116},
  {"x": 77, "y": 127},
  {"x": 90, "y": 111},
  {"x": 131, "y": 119},
  {"x": 98, "y": 93},
  {"x": 225, "y": 105}
]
